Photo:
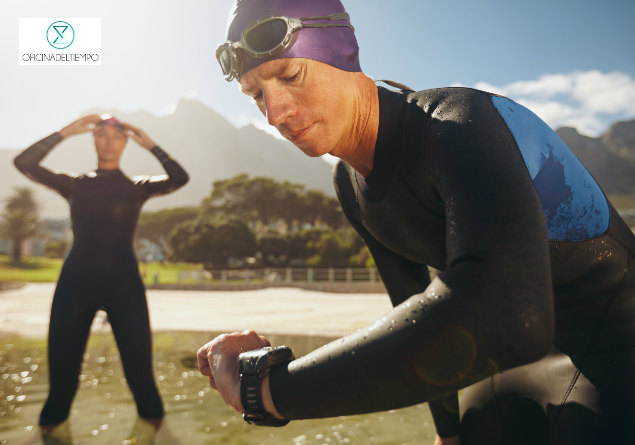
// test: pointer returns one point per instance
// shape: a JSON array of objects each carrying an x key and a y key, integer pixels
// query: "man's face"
[
  {"x": 109, "y": 143},
  {"x": 305, "y": 100}
]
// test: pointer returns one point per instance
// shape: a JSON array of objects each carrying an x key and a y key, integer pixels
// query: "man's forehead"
[{"x": 267, "y": 70}]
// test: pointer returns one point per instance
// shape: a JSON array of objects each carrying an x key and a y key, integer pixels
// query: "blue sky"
[{"x": 570, "y": 61}]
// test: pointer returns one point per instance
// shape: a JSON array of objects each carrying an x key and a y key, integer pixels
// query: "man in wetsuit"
[
  {"x": 533, "y": 311},
  {"x": 101, "y": 271}
]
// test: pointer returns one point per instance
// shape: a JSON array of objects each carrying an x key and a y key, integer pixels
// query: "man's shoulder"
[{"x": 451, "y": 103}]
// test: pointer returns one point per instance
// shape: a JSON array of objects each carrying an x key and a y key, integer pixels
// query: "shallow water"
[{"x": 104, "y": 411}]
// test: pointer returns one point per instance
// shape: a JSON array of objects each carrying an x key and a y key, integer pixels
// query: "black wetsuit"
[
  {"x": 100, "y": 272},
  {"x": 535, "y": 298}
]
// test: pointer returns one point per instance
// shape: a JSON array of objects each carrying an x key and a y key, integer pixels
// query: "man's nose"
[{"x": 278, "y": 106}]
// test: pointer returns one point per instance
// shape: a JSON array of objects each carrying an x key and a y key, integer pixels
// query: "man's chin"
[{"x": 309, "y": 150}]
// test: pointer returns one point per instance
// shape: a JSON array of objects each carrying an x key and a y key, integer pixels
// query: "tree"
[
  {"x": 318, "y": 209},
  {"x": 302, "y": 244},
  {"x": 207, "y": 241},
  {"x": 263, "y": 202},
  {"x": 274, "y": 248},
  {"x": 20, "y": 219},
  {"x": 56, "y": 248},
  {"x": 156, "y": 226},
  {"x": 336, "y": 249}
]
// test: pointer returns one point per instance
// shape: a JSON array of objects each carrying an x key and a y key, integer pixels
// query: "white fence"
[{"x": 280, "y": 275}]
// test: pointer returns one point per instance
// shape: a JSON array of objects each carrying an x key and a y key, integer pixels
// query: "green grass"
[
  {"x": 31, "y": 269},
  {"x": 40, "y": 269},
  {"x": 167, "y": 272}
]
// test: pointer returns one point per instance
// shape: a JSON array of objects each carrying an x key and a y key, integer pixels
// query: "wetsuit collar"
[
  {"x": 105, "y": 173},
  {"x": 387, "y": 145}
]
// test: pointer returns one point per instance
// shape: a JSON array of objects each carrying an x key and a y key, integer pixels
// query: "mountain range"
[
  {"x": 210, "y": 148},
  {"x": 610, "y": 158}
]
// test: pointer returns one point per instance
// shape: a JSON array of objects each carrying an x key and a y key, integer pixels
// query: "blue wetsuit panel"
[{"x": 574, "y": 206}]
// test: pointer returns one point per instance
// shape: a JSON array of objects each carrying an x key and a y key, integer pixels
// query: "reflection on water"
[{"x": 104, "y": 411}]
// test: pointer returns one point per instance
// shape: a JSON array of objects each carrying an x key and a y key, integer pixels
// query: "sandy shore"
[{"x": 25, "y": 311}]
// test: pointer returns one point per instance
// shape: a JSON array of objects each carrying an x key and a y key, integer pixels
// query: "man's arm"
[{"x": 402, "y": 279}]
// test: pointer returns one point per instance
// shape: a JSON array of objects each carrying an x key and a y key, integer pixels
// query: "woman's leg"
[
  {"x": 128, "y": 315},
  {"x": 71, "y": 317}
]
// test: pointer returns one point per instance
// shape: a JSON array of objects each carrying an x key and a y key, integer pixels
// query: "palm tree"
[{"x": 20, "y": 219}]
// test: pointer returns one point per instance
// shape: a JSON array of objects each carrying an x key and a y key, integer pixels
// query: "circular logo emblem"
[{"x": 60, "y": 34}]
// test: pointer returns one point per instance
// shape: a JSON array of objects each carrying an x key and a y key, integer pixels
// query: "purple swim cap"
[{"x": 336, "y": 46}]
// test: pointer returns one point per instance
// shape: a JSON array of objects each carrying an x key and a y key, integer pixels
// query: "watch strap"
[{"x": 253, "y": 366}]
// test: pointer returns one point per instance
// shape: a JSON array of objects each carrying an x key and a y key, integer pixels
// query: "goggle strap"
[
  {"x": 394, "y": 84},
  {"x": 327, "y": 25},
  {"x": 334, "y": 16}
]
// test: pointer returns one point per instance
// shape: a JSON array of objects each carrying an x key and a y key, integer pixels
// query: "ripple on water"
[{"x": 104, "y": 410}]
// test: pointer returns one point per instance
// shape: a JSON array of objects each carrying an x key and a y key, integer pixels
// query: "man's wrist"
[
  {"x": 254, "y": 368},
  {"x": 267, "y": 400}
]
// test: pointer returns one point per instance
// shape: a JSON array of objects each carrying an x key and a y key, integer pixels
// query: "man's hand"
[
  {"x": 218, "y": 360},
  {"x": 139, "y": 136},
  {"x": 81, "y": 125}
]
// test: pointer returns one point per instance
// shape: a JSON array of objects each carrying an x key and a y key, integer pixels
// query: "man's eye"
[
  {"x": 257, "y": 97},
  {"x": 293, "y": 77}
]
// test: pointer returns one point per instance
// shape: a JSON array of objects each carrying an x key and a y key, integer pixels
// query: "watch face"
[{"x": 274, "y": 356}]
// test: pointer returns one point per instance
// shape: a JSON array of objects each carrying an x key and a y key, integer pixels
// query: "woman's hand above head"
[
  {"x": 140, "y": 136},
  {"x": 82, "y": 125}
]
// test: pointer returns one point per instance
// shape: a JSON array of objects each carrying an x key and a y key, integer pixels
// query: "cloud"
[
  {"x": 546, "y": 86},
  {"x": 589, "y": 101},
  {"x": 612, "y": 92}
]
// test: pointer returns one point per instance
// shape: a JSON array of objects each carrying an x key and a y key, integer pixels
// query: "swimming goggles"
[
  {"x": 110, "y": 123},
  {"x": 267, "y": 37}
]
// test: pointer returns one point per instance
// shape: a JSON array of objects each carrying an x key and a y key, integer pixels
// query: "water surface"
[{"x": 104, "y": 411}]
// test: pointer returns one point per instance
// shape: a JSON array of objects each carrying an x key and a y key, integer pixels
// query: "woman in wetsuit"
[
  {"x": 533, "y": 312},
  {"x": 101, "y": 271}
]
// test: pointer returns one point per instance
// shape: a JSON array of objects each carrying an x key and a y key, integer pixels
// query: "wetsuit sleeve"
[
  {"x": 28, "y": 162},
  {"x": 163, "y": 184},
  {"x": 491, "y": 308},
  {"x": 402, "y": 279}
]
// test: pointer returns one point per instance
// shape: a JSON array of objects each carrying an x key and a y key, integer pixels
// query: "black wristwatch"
[{"x": 252, "y": 367}]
